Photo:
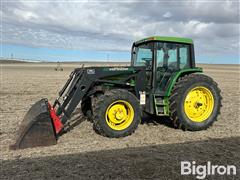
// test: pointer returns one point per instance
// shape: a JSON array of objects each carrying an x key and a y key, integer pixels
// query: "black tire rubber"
[
  {"x": 86, "y": 108},
  {"x": 102, "y": 103},
  {"x": 178, "y": 95}
]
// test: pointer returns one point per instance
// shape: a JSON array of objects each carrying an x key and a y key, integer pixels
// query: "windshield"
[
  {"x": 143, "y": 54},
  {"x": 168, "y": 55}
]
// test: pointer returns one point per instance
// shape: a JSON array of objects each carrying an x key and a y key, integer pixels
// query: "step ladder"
[{"x": 161, "y": 106}]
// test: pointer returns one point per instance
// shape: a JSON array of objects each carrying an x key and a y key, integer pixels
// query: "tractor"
[
  {"x": 58, "y": 67},
  {"x": 162, "y": 80}
]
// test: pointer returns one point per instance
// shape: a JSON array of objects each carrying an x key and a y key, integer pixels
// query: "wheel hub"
[
  {"x": 198, "y": 104},
  {"x": 119, "y": 115}
]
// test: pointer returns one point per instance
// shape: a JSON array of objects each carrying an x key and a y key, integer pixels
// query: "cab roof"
[{"x": 168, "y": 39}]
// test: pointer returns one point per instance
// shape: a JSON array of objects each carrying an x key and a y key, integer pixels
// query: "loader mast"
[{"x": 76, "y": 87}]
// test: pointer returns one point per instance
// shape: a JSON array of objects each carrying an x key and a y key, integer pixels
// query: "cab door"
[
  {"x": 144, "y": 57},
  {"x": 170, "y": 58}
]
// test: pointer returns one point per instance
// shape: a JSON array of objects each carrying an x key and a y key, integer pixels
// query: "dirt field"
[{"x": 154, "y": 151}]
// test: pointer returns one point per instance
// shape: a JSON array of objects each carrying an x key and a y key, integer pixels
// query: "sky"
[{"x": 100, "y": 30}]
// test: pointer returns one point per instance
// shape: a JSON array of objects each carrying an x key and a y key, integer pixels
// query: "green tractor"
[{"x": 162, "y": 80}]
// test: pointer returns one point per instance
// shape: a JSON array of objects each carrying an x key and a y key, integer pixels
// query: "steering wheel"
[{"x": 148, "y": 63}]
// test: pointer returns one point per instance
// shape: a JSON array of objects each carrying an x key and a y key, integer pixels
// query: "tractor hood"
[
  {"x": 112, "y": 73},
  {"x": 117, "y": 76}
]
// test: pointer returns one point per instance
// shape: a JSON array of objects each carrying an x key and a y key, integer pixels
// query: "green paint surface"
[
  {"x": 166, "y": 106},
  {"x": 168, "y": 39}
]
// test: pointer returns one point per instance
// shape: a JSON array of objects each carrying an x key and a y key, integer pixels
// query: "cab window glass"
[
  {"x": 184, "y": 56},
  {"x": 160, "y": 55},
  {"x": 168, "y": 54},
  {"x": 144, "y": 54},
  {"x": 172, "y": 57}
]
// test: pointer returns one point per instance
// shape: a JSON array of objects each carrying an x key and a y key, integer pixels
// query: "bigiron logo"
[{"x": 202, "y": 171}]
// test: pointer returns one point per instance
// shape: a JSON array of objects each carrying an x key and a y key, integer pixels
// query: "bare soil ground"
[{"x": 154, "y": 151}]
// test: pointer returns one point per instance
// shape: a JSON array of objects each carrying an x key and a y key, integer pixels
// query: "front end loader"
[
  {"x": 162, "y": 80},
  {"x": 44, "y": 123}
]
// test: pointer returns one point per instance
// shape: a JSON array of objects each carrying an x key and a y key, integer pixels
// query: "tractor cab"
[
  {"x": 166, "y": 59},
  {"x": 163, "y": 58}
]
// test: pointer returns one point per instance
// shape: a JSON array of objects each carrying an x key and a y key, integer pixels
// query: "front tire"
[
  {"x": 195, "y": 102},
  {"x": 116, "y": 113}
]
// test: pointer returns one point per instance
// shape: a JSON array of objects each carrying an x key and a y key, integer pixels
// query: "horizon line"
[{"x": 18, "y": 60}]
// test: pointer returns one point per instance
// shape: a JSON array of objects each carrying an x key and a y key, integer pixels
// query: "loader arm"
[{"x": 83, "y": 80}]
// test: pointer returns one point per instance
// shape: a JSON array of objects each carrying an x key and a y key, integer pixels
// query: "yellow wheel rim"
[
  {"x": 119, "y": 115},
  {"x": 199, "y": 104}
]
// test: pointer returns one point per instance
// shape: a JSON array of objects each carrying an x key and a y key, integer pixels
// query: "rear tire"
[
  {"x": 195, "y": 102},
  {"x": 116, "y": 113}
]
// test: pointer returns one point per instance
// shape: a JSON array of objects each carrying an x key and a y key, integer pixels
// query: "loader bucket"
[{"x": 37, "y": 127}]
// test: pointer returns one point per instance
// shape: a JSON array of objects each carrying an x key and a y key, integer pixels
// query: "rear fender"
[{"x": 179, "y": 74}]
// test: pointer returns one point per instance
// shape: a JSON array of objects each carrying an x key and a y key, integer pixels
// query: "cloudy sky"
[{"x": 84, "y": 30}]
